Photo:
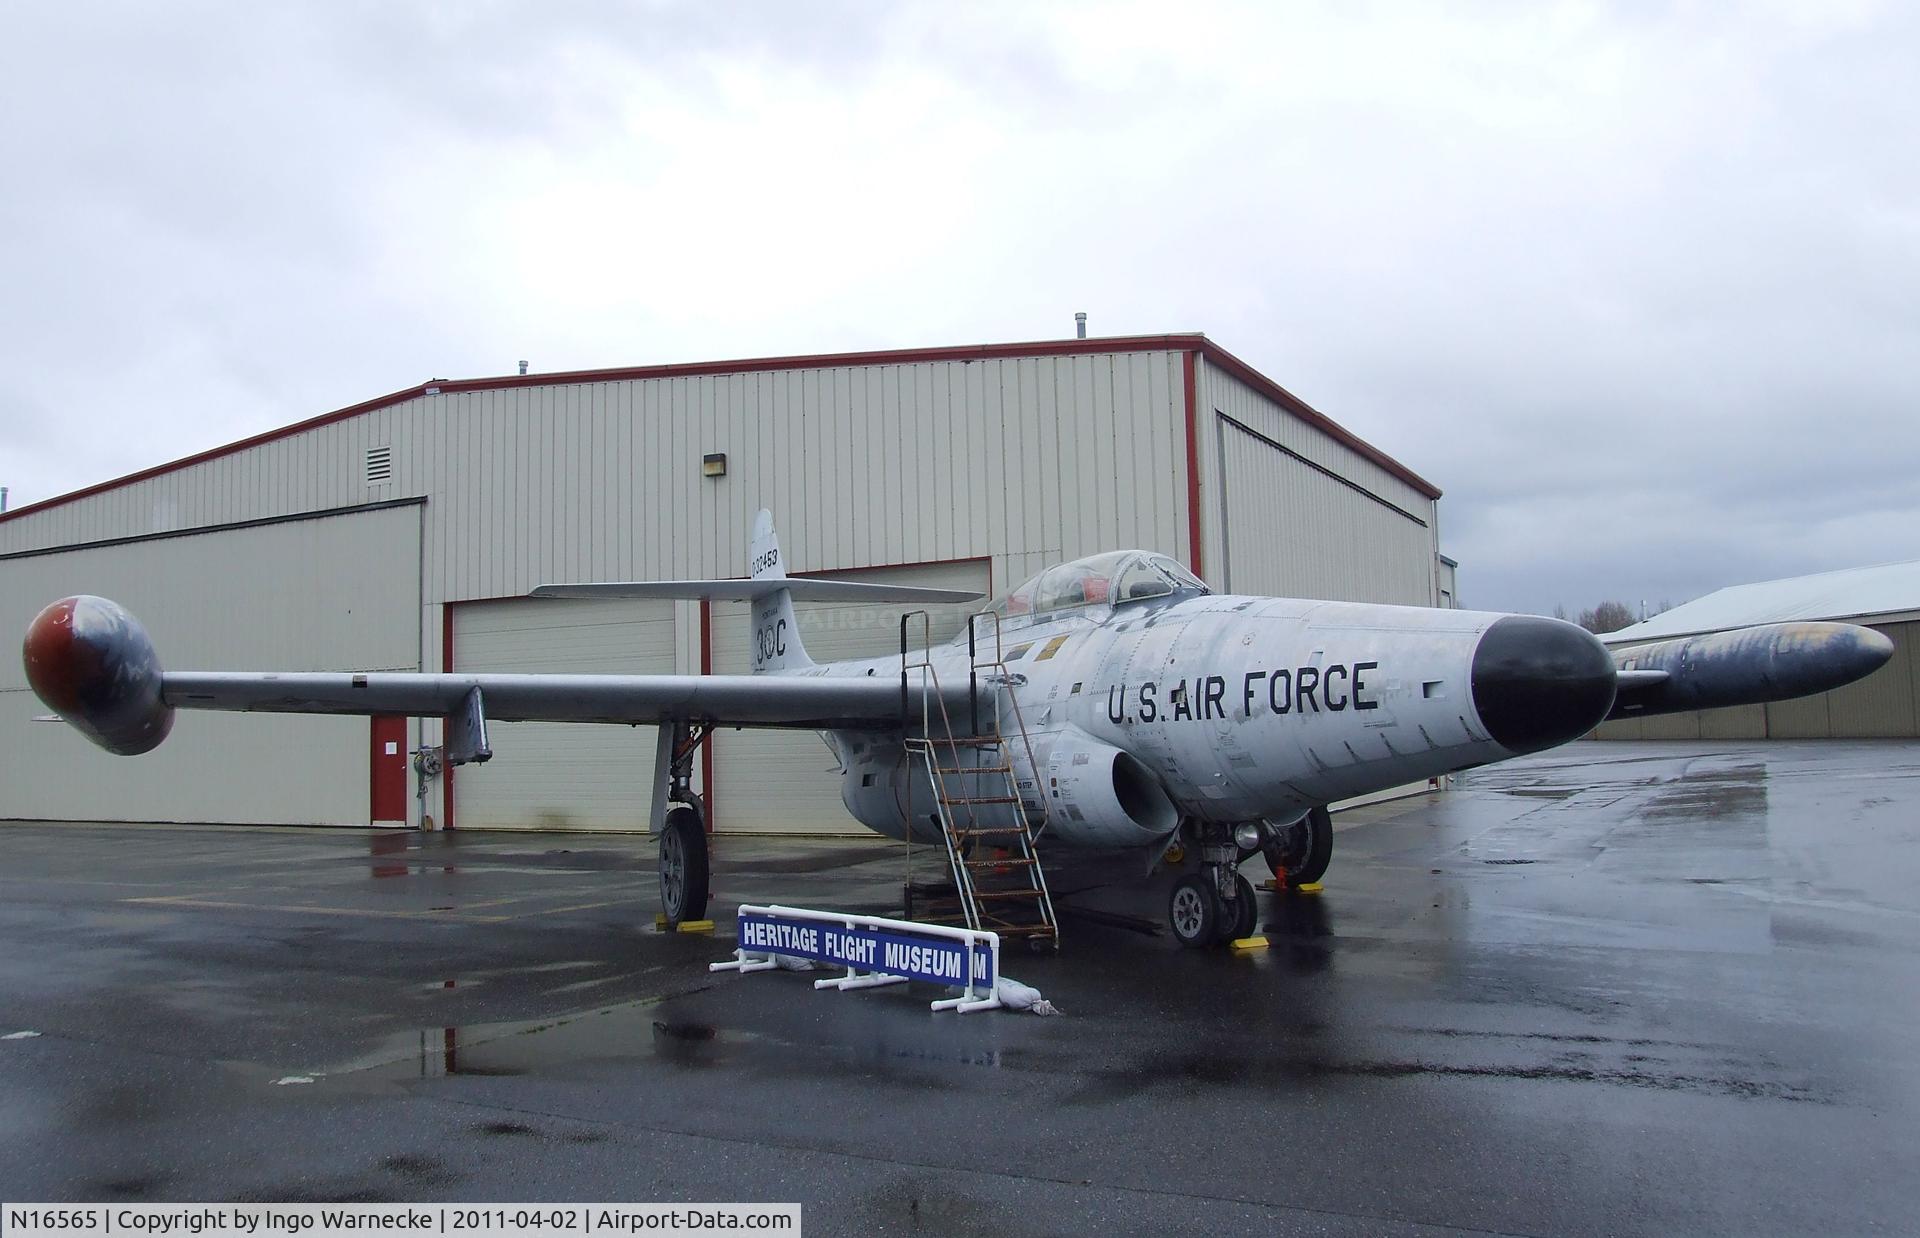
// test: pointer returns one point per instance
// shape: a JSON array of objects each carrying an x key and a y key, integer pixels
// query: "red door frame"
[{"x": 387, "y": 771}]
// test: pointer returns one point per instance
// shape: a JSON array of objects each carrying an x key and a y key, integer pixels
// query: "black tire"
[
  {"x": 1193, "y": 911},
  {"x": 1246, "y": 912},
  {"x": 1319, "y": 849},
  {"x": 1286, "y": 846},
  {"x": 683, "y": 866},
  {"x": 1303, "y": 849}
]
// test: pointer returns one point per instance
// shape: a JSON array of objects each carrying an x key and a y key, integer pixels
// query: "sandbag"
[{"x": 1016, "y": 996}]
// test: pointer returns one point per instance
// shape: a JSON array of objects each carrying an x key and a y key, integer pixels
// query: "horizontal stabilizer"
[{"x": 802, "y": 589}]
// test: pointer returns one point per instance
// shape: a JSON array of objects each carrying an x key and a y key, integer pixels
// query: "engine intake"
[
  {"x": 94, "y": 665},
  {"x": 1101, "y": 796}
]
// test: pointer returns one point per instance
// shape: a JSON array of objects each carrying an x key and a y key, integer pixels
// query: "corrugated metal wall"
[
  {"x": 1018, "y": 461},
  {"x": 1884, "y": 705},
  {"x": 1314, "y": 518},
  {"x": 333, "y": 593},
  {"x": 1027, "y": 459},
  {"x": 1290, "y": 530},
  {"x": 559, "y": 775}
]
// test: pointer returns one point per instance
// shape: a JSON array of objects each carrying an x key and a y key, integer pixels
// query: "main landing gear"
[
  {"x": 1217, "y": 904},
  {"x": 1302, "y": 850},
  {"x": 680, "y": 821}
]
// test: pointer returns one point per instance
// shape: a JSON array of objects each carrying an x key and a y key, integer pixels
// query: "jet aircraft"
[{"x": 1142, "y": 717}]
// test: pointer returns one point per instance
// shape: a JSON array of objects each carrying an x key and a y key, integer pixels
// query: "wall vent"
[{"x": 379, "y": 465}]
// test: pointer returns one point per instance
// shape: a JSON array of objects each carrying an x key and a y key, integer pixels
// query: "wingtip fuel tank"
[
  {"x": 1772, "y": 662},
  {"x": 94, "y": 665}
]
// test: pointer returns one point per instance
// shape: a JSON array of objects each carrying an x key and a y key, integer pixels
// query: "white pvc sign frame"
[{"x": 744, "y": 961}]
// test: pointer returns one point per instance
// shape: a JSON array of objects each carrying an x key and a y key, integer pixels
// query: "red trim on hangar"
[
  {"x": 1189, "y": 363},
  {"x": 706, "y": 749},
  {"x": 1193, "y": 344},
  {"x": 446, "y": 665}
]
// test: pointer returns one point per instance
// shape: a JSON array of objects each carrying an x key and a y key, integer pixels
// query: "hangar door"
[
  {"x": 560, "y": 775},
  {"x": 787, "y": 782},
  {"x": 329, "y": 593},
  {"x": 1292, "y": 529}
]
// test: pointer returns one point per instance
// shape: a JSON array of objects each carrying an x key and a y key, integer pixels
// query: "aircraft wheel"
[
  {"x": 1304, "y": 849},
  {"x": 683, "y": 866},
  {"x": 1246, "y": 912},
  {"x": 1194, "y": 911},
  {"x": 1319, "y": 848}
]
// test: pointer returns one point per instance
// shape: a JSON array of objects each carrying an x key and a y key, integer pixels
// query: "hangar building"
[
  {"x": 404, "y": 532},
  {"x": 1883, "y": 705}
]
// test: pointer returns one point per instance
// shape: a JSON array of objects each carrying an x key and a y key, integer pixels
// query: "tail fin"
[{"x": 776, "y": 631}]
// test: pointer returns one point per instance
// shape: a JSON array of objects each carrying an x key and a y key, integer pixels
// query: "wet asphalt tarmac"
[{"x": 1621, "y": 988}]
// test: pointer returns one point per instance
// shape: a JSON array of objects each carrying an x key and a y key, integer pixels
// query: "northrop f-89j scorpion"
[{"x": 1135, "y": 714}]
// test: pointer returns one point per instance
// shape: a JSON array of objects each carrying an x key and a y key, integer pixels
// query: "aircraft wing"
[
  {"x": 95, "y": 665},
  {"x": 814, "y": 702}
]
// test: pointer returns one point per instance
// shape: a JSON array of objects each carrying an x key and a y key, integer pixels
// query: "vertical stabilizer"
[{"x": 776, "y": 631}]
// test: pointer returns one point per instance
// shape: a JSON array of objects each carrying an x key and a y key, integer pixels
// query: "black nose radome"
[{"x": 1540, "y": 682}]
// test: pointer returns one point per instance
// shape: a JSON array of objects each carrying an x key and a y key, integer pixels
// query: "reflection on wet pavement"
[{"x": 1618, "y": 988}]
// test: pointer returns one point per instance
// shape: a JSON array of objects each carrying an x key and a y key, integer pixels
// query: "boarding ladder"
[{"x": 996, "y": 879}]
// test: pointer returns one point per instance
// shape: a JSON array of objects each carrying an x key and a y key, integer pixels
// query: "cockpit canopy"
[{"x": 1111, "y": 579}]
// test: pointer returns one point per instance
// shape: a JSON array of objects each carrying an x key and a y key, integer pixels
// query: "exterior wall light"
[{"x": 714, "y": 464}]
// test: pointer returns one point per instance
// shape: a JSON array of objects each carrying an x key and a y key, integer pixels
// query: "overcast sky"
[{"x": 1638, "y": 286}]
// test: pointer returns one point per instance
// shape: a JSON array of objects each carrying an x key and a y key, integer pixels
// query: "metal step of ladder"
[{"x": 994, "y": 877}]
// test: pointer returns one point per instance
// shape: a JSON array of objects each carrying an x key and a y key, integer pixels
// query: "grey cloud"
[{"x": 1636, "y": 287}]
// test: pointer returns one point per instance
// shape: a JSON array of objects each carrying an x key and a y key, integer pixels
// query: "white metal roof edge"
[{"x": 1627, "y": 636}]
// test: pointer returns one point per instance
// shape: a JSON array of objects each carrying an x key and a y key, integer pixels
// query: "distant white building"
[{"x": 1886, "y": 598}]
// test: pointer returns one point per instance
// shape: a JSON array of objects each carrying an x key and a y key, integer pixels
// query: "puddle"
[
  {"x": 644, "y": 1031},
  {"x": 509, "y": 1048}
]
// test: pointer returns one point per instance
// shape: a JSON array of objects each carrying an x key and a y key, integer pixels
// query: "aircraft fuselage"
[{"x": 1239, "y": 708}]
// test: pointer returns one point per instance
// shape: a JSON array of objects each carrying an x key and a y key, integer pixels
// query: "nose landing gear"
[
  {"x": 1194, "y": 911},
  {"x": 1216, "y": 904}
]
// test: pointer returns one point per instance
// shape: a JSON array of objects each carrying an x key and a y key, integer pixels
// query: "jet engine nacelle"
[
  {"x": 882, "y": 783},
  {"x": 1098, "y": 795},
  {"x": 94, "y": 665}
]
